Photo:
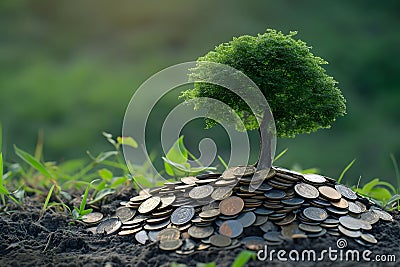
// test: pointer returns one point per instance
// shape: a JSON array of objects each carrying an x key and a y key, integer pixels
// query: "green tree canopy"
[{"x": 302, "y": 97}]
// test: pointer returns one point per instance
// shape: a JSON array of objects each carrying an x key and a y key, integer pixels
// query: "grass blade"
[
  {"x": 345, "y": 170},
  {"x": 396, "y": 169},
  {"x": 223, "y": 162},
  {"x": 46, "y": 203},
  {"x": 32, "y": 162},
  {"x": 281, "y": 154}
]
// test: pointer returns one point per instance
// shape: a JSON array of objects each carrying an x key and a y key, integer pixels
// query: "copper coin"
[
  {"x": 231, "y": 206},
  {"x": 231, "y": 228},
  {"x": 342, "y": 203},
  {"x": 329, "y": 193}
]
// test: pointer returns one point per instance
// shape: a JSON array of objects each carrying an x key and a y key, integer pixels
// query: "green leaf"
[
  {"x": 243, "y": 257},
  {"x": 178, "y": 153},
  {"x": 86, "y": 212},
  {"x": 105, "y": 174},
  {"x": 105, "y": 155},
  {"x": 3, "y": 190},
  {"x": 368, "y": 187},
  {"x": 118, "y": 181},
  {"x": 46, "y": 203},
  {"x": 380, "y": 193},
  {"x": 102, "y": 194},
  {"x": 176, "y": 169},
  {"x": 32, "y": 162},
  {"x": 127, "y": 141}
]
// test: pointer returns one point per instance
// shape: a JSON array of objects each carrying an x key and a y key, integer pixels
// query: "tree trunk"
[{"x": 265, "y": 156}]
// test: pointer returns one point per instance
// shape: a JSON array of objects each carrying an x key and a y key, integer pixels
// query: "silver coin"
[{"x": 182, "y": 215}]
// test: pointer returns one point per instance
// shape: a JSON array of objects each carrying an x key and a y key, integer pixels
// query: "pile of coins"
[{"x": 242, "y": 207}]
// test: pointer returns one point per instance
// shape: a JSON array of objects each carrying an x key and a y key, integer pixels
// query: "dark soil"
[{"x": 51, "y": 240}]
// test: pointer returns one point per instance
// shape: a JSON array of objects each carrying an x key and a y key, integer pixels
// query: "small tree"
[{"x": 302, "y": 97}]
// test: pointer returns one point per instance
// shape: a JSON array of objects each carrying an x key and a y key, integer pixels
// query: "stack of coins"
[{"x": 218, "y": 210}]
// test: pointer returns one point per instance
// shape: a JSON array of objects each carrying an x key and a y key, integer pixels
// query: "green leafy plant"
[
  {"x": 77, "y": 213},
  {"x": 176, "y": 161},
  {"x": 302, "y": 97}
]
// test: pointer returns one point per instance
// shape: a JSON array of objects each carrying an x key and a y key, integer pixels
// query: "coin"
[
  {"x": 231, "y": 228},
  {"x": 200, "y": 232},
  {"x": 149, "y": 205},
  {"x": 109, "y": 226},
  {"x": 189, "y": 180},
  {"x": 314, "y": 178},
  {"x": 170, "y": 245},
  {"x": 221, "y": 193},
  {"x": 383, "y": 215},
  {"x": 124, "y": 213},
  {"x": 310, "y": 228},
  {"x": 268, "y": 227},
  {"x": 346, "y": 192},
  {"x": 92, "y": 218},
  {"x": 369, "y": 216},
  {"x": 293, "y": 201},
  {"x": 315, "y": 214},
  {"x": 244, "y": 170},
  {"x": 201, "y": 192},
  {"x": 329, "y": 193},
  {"x": 342, "y": 203},
  {"x": 220, "y": 241},
  {"x": 231, "y": 206},
  {"x": 247, "y": 219},
  {"x": 209, "y": 213},
  {"x": 275, "y": 194},
  {"x": 182, "y": 215},
  {"x": 273, "y": 236},
  {"x": 349, "y": 233},
  {"x": 369, "y": 238},
  {"x": 354, "y": 208},
  {"x": 168, "y": 234},
  {"x": 306, "y": 191},
  {"x": 253, "y": 242},
  {"x": 166, "y": 201},
  {"x": 129, "y": 232}
]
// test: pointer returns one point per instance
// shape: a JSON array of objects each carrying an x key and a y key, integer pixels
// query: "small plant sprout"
[
  {"x": 77, "y": 213},
  {"x": 302, "y": 97}
]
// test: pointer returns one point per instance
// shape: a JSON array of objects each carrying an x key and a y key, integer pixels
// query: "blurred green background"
[{"x": 70, "y": 68}]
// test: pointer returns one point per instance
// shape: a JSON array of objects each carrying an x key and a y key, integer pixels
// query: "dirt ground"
[{"x": 51, "y": 240}]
